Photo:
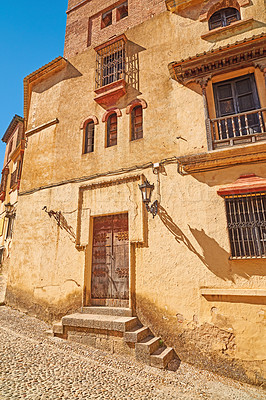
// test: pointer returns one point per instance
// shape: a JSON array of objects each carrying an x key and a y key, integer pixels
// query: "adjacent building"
[
  {"x": 166, "y": 96},
  {"x": 10, "y": 181}
]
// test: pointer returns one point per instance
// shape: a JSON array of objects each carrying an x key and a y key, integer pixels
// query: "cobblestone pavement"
[{"x": 35, "y": 367}]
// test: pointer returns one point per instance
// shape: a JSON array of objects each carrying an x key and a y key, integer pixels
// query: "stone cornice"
[
  {"x": 13, "y": 124},
  {"x": 54, "y": 66},
  {"x": 41, "y": 127},
  {"x": 238, "y": 55},
  {"x": 224, "y": 158}
]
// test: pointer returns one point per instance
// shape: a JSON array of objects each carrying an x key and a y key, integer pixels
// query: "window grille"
[
  {"x": 112, "y": 130},
  {"x": 110, "y": 64},
  {"x": 246, "y": 218},
  {"x": 136, "y": 123},
  {"x": 89, "y": 138},
  {"x": 224, "y": 17}
]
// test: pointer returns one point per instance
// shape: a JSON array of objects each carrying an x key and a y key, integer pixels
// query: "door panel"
[{"x": 110, "y": 261}]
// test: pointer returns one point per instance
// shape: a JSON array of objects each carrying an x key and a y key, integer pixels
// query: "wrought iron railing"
[
  {"x": 239, "y": 128},
  {"x": 110, "y": 64}
]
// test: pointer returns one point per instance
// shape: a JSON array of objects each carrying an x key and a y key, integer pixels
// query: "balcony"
[{"x": 236, "y": 129}]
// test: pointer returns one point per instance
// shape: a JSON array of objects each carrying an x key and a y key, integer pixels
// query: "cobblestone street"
[{"x": 34, "y": 366}]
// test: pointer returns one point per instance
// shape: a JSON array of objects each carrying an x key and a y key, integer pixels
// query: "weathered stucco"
[{"x": 174, "y": 256}]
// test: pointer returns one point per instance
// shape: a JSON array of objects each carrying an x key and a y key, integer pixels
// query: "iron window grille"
[
  {"x": 89, "y": 138},
  {"x": 136, "y": 123},
  {"x": 110, "y": 64},
  {"x": 224, "y": 17},
  {"x": 246, "y": 222}
]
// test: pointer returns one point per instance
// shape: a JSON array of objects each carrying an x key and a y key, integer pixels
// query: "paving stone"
[{"x": 36, "y": 367}]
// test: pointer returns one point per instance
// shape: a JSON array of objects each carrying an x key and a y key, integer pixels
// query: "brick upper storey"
[{"x": 84, "y": 21}]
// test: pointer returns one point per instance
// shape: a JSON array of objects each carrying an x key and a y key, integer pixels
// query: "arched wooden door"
[{"x": 110, "y": 261}]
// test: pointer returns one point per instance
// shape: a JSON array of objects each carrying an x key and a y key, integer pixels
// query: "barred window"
[
  {"x": 136, "y": 123},
  {"x": 246, "y": 218},
  {"x": 223, "y": 17},
  {"x": 110, "y": 64},
  {"x": 112, "y": 130},
  {"x": 89, "y": 138}
]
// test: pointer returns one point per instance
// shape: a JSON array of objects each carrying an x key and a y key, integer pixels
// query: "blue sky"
[{"x": 32, "y": 34}]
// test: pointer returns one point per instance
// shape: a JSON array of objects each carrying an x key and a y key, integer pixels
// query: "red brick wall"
[{"x": 83, "y": 27}]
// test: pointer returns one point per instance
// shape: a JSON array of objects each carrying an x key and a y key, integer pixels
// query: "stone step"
[
  {"x": 161, "y": 357},
  {"x": 101, "y": 322},
  {"x": 137, "y": 334},
  {"x": 99, "y": 310},
  {"x": 58, "y": 328},
  {"x": 146, "y": 347}
]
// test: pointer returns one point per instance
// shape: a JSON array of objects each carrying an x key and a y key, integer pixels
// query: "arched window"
[
  {"x": 89, "y": 137},
  {"x": 111, "y": 130},
  {"x": 224, "y": 17},
  {"x": 136, "y": 123}
]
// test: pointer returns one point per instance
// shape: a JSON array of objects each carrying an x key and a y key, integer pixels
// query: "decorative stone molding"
[
  {"x": 134, "y": 103},
  {"x": 90, "y": 118},
  {"x": 225, "y": 158},
  {"x": 244, "y": 53},
  {"x": 235, "y": 28},
  {"x": 244, "y": 184},
  {"x": 111, "y": 111},
  {"x": 41, "y": 127},
  {"x": 213, "y": 5}
]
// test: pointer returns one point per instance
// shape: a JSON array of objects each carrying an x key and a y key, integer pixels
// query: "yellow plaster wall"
[{"x": 183, "y": 249}]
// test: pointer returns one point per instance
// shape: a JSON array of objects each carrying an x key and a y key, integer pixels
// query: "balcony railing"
[{"x": 239, "y": 128}]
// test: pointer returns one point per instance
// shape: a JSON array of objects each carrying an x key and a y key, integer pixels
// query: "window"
[
  {"x": 106, "y": 19},
  {"x": 10, "y": 147},
  {"x": 237, "y": 108},
  {"x": 89, "y": 138},
  {"x": 10, "y": 228},
  {"x": 136, "y": 123},
  {"x": 246, "y": 218},
  {"x": 223, "y": 17},
  {"x": 122, "y": 11},
  {"x": 110, "y": 64},
  {"x": 111, "y": 130}
]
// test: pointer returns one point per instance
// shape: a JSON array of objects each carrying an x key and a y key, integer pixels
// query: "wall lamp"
[{"x": 146, "y": 190}]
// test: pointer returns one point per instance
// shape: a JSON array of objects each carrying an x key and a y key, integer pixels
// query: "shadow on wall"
[
  {"x": 67, "y": 73},
  {"x": 214, "y": 257}
]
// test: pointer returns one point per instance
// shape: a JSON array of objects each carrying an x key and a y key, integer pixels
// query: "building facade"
[
  {"x": 10, "y": 182},
  {"x": 170, "y": 93}
]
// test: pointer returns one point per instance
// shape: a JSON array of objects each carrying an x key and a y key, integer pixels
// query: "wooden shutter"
[
  {"x": 112, "y": 130},
  {"x": 89, "y": 138}
]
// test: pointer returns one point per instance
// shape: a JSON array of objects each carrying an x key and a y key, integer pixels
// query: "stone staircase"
[{"x": 116, "y": 330}]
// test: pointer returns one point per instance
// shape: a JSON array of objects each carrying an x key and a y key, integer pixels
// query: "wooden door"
[{"x": 110, "y": 261}]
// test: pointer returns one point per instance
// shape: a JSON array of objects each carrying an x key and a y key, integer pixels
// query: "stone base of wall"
[
  {"x": 25, "y": 302},
  {"x": 205, "y": 346},
  {"x": 102, "y": 341}
]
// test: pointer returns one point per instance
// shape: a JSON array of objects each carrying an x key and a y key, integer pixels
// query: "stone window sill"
[
  {"x": 233, "y": 292},
  {"x": 233, "y": 29}
]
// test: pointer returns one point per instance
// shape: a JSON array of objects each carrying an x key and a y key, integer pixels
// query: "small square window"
[
  {"x": 106, "y": 19},
  {"x": 122, "y": 11}
]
